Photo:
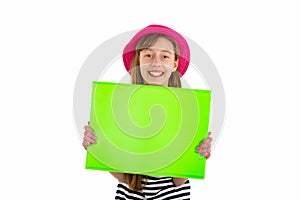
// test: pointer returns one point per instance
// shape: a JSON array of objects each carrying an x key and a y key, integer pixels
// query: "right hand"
[{"x": 89, "y": 136}]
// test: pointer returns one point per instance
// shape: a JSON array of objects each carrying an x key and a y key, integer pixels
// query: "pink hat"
[{"x": 183, "y": 59}]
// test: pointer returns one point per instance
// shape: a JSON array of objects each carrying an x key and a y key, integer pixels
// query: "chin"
[{"x": 155, "y": 83}]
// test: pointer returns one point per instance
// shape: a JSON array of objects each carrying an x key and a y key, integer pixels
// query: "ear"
[{"x": 175, "y": 65}]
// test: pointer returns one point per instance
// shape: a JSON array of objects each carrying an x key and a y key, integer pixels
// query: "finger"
[
  {"x": 207, "y": 155},
  {"x": 90, "y": 138},
  {"x": 85, "y": 144},
  {"x": 93, "y": 140},
  {"x": 207, "y": 145},
  {"x": 208, "y": 139},
  {"x": 199, "y": 150},
  {"x": 88, "y": 128},
  {"x": 89, "y": 133},
  {"x": 204, "y": 146},
  {"x": 204, "y": 152},
  {"x": 88, "y": 141}
]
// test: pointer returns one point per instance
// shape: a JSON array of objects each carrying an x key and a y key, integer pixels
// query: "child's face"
[{"x": 158, "y": 62}]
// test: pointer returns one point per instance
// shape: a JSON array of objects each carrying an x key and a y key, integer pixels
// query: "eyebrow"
[{"x": 161, "y": 50}]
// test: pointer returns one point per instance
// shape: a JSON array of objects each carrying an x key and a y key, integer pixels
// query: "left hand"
[{"x": 204, "y": 148}]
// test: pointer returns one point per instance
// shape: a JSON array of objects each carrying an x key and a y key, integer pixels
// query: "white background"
[{"x": 255, "y": 46}]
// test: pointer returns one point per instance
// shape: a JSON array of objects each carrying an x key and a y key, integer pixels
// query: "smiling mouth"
[{"x": 155, "y": 74}]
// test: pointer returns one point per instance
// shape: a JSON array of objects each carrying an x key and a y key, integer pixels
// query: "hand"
[
  {"x": 89, "y": 136},
  {"x": 204, "y": 148}
]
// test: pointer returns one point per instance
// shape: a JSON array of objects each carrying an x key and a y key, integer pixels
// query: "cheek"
[
  {"x": 143, "y": 70},
  {"x": 169, "y": 73},
  {"x": 144, "y": 61},
  {"x": 169, "y": 63},
  {"x": 170, "y": 66}
]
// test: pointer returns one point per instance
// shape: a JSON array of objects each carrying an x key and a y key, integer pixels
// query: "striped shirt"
[{"x": 156, "y": 188}]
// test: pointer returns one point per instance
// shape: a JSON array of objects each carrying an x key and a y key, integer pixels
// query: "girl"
[{"x": 156, "y": 55}]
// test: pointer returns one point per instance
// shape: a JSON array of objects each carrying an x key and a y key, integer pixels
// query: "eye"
[
  {"x": 165, "y": 56},
  {"x": 148, "y": 55}
]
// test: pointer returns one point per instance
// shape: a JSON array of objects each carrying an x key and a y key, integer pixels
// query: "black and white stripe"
[{"x": 156, "y": 188}]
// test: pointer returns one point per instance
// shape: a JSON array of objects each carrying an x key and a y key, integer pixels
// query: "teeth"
[{"x": 156, "y": 73}]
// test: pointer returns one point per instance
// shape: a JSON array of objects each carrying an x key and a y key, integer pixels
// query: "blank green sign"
[{"x": 152, "y": 130}]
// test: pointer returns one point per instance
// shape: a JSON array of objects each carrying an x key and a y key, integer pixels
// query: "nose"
[{"x": 156, "y": 60}]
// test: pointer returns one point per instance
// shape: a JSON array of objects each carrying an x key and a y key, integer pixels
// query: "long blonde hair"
[{"x": 134, "y": 181}]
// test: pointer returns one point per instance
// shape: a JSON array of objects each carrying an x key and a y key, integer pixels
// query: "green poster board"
[{"x": 152, "y": 130}]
